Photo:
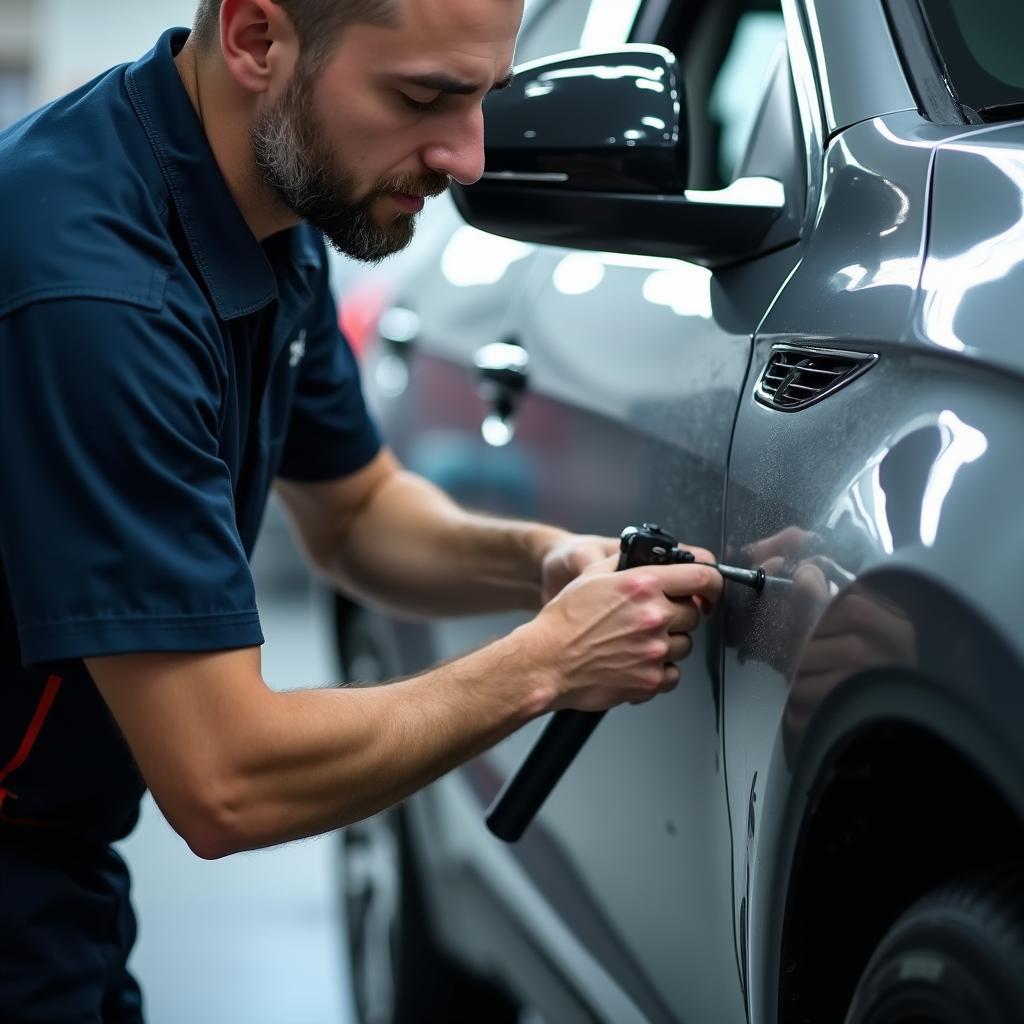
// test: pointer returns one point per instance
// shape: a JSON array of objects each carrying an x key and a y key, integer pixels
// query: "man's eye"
[{"x": 419, "y": 105}]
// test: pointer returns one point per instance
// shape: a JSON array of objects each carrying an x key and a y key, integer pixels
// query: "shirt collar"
[{"x": 234, "y": 266}]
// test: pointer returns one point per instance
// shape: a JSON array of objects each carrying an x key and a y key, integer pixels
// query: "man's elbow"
[
  {"x": 209, "y": 842},
  {"x": 211, "y": 824}
]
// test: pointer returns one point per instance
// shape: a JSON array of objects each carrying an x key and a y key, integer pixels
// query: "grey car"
[{"x": 754, "y": 272}]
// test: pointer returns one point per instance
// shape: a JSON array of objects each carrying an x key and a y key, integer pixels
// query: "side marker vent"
[{"x": 796, "y": 377}]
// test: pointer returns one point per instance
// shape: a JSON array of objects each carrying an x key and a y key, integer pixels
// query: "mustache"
[{"x": 433, "y": 183}]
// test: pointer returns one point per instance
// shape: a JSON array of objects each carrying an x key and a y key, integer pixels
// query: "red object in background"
[{"x": 359, "y": 311}]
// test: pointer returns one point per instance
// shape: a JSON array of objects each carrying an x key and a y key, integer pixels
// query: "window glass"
[
  {"x": 608, "y": 23},
  {"x": 980, "y": 42},
  {"x": 725, "y": 49},
  {"x": 554, "y": 26},
  {"x": 741, "y": 81}
]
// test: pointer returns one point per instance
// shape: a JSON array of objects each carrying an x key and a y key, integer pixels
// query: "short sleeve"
[
  {"x": 330, "y": 432},
  {"x": 117, "y": 524}
]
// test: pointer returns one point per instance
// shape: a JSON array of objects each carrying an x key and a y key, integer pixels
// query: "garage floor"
[{"x": 254, "y": 938}]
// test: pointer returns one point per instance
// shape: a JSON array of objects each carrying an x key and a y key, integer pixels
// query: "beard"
[{"x": 294, "y": 159}]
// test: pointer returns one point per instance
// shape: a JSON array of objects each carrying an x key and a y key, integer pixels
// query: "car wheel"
[
  {"x": 955, "y": 957},
  {"x": 372, "y": 895},
  {"x": 398, "y": 974}
]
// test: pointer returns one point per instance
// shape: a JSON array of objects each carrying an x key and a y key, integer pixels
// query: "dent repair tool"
[{"x": 525, "y": 791}]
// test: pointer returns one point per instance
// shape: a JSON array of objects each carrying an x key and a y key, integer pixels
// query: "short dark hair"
[{"x": 317, "y": 22}]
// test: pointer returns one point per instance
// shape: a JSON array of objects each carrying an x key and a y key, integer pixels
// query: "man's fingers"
[
  {"x": 679, "y": 646},
  {"x": 670, "y": 676},
  {"x": 699, "y": 554},
  {"x": 685, "y": 616},
  {"x": 602, "y": 565},
  {"x": 593, "y": 549},
  {"x": 688, "y": 580}
]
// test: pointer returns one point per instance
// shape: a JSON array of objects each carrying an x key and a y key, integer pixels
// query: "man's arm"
[
  {"x": 235, "y": 766},
  {"x": 398, "y": 540}
]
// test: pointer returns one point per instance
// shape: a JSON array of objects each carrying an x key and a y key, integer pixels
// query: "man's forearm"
[
  {"x": 309, "y": 761},
  {"x": 412, "y": 549},
  {"x": 235, "y": 766}
]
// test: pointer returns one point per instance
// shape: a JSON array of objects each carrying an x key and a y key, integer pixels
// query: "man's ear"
[{"x": 259, "y": 43}]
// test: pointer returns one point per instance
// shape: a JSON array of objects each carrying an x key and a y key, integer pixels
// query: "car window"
[
  {"x": 554, "y": 26},
  {"x": 725, "y": 49},
  {"x": 980, "y": 43},
  {"x": 740, "y": 83}
]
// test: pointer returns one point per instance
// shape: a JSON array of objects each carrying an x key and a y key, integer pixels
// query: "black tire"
[
  {"x": 398, "y": 974},
  {"x": 393, "y": 964},
  {"x": 955, "y": 957}
]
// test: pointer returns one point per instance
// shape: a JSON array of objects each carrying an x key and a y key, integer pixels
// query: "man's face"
[{"x": 389, "y": 119}]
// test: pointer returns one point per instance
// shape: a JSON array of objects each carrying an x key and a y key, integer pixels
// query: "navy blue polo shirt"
[{"x": 158, "y": 368}]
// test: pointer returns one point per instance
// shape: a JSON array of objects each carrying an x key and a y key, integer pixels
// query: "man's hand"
[
  {"x": 613, "y": 637},
  {"x": 567, "y": 558}
]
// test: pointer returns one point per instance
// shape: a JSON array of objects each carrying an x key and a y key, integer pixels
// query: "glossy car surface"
[{"x": 849, "y": 739}]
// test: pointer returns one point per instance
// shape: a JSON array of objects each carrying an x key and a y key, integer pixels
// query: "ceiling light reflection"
[
  {"x": 854, "y": 278},
  {"x": 535, "y": 89},
  {"x": 961, "y": 444},
  {"x": 578, "y": 273},
  {"x": 946, "y": 281},
  {"x": 743, "y": 192},
  {"x": 901, "y": 215},
  {"x": 606, "y": 71},
  {"x": 685, "y": 288},
  {"x": 474, "y": 257}
]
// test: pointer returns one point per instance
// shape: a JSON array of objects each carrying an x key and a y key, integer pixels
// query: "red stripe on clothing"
[{"x": 31, "y": 733}]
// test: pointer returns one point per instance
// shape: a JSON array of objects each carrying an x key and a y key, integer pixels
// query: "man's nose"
[{"x": 458, "y": 150}]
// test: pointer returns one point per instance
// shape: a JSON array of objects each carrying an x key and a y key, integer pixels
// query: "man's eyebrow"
[{"x": 440, "y": 82}]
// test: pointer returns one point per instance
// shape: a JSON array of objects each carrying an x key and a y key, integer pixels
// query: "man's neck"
[{"x": 225, "y": 118}]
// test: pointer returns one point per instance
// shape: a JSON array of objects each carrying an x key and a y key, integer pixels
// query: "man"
[{"x": 168, "y": 349}]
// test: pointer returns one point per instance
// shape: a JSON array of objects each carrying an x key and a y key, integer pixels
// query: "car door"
[{"x": 634, "y": 371}]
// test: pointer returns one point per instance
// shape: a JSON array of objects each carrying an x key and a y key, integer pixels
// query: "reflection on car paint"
[
  {"x": 474, "y": 257},
  {"x": 990, "y": 246},
  {"x": 684, "y": 287},
  {"x": 961, "y": 444}
]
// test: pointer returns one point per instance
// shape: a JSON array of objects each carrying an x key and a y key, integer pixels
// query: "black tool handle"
[{"x": 525, "y": 791}]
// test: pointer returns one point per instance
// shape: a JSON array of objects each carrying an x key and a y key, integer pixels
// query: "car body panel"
[
  {"x": 974, "y": 272},
  {"x": 679, "y": 340},
  {"x": 883, "y": 477},
  {"x": 670, "y": 404},
  {"x": 895, "y": 538}
]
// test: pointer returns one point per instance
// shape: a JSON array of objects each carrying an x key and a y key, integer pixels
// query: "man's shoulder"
[{"x": 83, "y": 202}]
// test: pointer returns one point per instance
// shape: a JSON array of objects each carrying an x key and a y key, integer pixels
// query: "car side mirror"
[{"x": 589, "y": 150}]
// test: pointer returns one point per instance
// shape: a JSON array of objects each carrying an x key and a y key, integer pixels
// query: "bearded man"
[{"x": 162, "y": 254}]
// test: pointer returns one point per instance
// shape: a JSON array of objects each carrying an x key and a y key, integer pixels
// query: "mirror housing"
[{"x": 589, "y": 150}]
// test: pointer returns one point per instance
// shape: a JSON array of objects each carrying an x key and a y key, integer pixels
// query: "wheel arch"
[{"x": 902, "y": 779}]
